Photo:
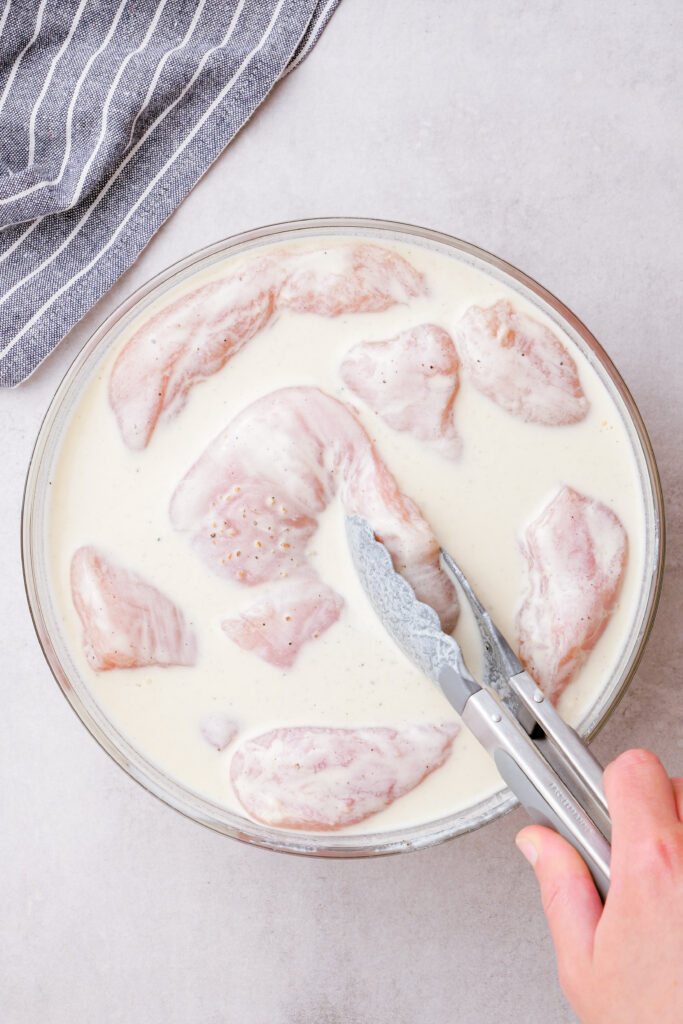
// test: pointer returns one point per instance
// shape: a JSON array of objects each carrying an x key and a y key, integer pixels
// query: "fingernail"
[{"x": 526, "y": 847}]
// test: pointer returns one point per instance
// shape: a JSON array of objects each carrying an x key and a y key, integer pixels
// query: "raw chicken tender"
[
  {"x": 361, "y": 278},
  {"x": 319, "y": 778},
  {"x": 521, "y": 365},
  {"x": 411, "y": 382},
  {"x": 576, "y": 556},
  {"x": 185, "y": 342},
  {"x": 251, "y": 502},
  {"x": 127, "y": 623},
  {"x": 278, "y": 625}
]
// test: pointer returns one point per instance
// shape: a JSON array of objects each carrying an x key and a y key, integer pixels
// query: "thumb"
[{"x": 570, "y": 900}]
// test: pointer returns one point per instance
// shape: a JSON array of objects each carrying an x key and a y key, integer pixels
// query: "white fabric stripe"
[
  {"x": 4, "y": 16},
  {"x": 69, "y": 117},
  {"x": 32, "y": 226},
  {"x": 102, "y": 194},
  {"x": 36, "y": 223},
  {"x": 312, "y": 37},
  {"x": 15, "y": 66},
  {"x": 68, "y": 284},
  {"x": 110, "y": 95},
  {"x": 46, "y": 84},
  {"x": 161, "y": 65}
]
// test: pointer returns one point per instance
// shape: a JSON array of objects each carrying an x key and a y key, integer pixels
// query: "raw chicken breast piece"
[
  {"x": 127, "y": 622},
  {"x": 250, "y": 503},
  {"x": 319, "y": 778},
  {"x": 521, "y": 365},
  {"x": 218, "y": 730},
  {"x": 411, "y": 382},
  {"x": 576, "y": 556},
  {"x": 189, "y": 340},
  {"x": 360, "y": 278},
  {"x": 278, "y": 625}
]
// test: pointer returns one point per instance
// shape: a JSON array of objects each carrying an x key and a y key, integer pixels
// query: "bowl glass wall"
[{"x": 46, "y": 615}]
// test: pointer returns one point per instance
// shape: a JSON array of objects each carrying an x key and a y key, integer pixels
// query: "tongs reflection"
[{"x": 542, "y": 759}]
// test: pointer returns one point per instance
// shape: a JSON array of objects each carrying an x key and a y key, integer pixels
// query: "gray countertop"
[{"x": 549, "y": 134}]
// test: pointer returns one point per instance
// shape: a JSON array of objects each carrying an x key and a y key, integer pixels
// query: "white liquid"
[{"x": 109, "y": 496}]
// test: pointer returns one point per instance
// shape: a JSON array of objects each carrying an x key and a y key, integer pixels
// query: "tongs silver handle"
[
  {"x": 575, "y": 762},
  {"x": 535, "y": 783}
]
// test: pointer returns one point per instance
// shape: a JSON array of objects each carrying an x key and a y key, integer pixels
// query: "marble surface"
[{"x": 547, "y": 133}]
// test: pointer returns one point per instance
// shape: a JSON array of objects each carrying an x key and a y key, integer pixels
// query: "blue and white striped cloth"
[{"x": 110, "y": 112}]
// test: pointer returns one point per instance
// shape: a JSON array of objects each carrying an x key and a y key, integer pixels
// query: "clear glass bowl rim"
[{"x": 146, "y": 773}]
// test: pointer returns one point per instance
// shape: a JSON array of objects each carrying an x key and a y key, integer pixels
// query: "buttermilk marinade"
[{"x": 478, "y": 504}]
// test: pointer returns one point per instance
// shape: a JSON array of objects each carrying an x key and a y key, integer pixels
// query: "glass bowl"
[{"x": 46, "y": 616}]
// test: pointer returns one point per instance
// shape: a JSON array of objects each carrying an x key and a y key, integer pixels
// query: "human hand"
[{"x": 621, "y": 963}]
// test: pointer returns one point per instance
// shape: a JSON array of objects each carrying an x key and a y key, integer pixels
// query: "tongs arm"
[
  {"x": 533, "y": 753},
  {"x": 575, "y": 762},
  {"x": 570, "y": 760},
  {"x": 535, "y": 783}
]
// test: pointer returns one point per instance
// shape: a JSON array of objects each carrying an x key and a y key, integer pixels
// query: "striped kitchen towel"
[{"x": 110, "y": 112}]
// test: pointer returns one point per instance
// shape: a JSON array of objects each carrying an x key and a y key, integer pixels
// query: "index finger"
[{"x": 640, "y": 796}]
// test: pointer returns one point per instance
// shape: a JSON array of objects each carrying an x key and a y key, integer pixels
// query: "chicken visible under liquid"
[
  {"x": 290, "y": 615},
  {"x": 319, "y": 778},
  {"x": 127, "y": 622},
  {"x": 411, "y": 382},
  {"x": 520, "y": 364},
  {"x": 576, "y": 557}
]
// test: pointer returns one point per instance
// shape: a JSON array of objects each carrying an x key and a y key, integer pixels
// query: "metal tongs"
[{"x": 542, "y": 759}]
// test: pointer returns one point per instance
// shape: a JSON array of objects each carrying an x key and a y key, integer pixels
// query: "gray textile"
[{"x": 110, "y": 112}]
